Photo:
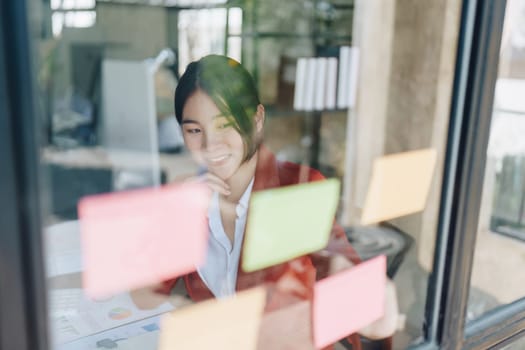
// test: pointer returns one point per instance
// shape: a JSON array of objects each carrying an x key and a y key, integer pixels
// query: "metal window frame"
[
  {"x": 23, "y": 318},
  {"x": 469, "y": 128}
]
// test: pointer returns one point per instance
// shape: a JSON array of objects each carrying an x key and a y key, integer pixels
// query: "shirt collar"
[
  {"x": 240, "y": 209},
  {"x": 242, "y": 206}
]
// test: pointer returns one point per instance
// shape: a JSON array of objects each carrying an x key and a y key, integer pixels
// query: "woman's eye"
[
  {"x": 224, "y": 125},
  {"x": 193, "y": 131}
]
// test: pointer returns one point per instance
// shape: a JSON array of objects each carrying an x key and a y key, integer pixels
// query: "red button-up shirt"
[{"x": 300, "y": 273}]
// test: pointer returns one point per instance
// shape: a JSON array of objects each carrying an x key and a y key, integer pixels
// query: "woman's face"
[{"x": 211, "y": 137}]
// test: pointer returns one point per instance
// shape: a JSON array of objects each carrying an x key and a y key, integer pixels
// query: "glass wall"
[
  {"x": 106, "y": 94},
  {"x": 500, "y": 245}
]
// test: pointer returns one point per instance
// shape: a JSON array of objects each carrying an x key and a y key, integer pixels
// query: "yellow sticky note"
[
  {"x": 399, "y": 186},
  {"x": 232, "y": 323},
  {"x": 288, "y": 222}
]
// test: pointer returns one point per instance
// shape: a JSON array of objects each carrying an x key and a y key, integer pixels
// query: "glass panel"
[
  {"x": 80, "y": 19},
  {"x": 72, "y": 4},
  {"x": 201, "y": 32},
  {"x": 517, "y": 345},
  {"x": 107, "y": 95},
  {"x": 500, "y": 245},
  {"x": 55, "y": 4}
]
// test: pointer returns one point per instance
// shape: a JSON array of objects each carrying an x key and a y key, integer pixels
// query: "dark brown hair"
[{"x": 231, "y": 88}]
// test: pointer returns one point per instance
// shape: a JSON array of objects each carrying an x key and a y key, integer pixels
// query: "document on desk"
[
  {"x": 138, "y": 335},
  {"x": 64, "y": 252},
  {"x": 73, "y": 315}
]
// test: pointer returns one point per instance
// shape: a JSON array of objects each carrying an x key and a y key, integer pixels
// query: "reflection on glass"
[
  {"x": 72, "y": 4},
  {"x": 500, "y": 245},
  {"x": 72, "y": 14},
  {"x": 107, "y": 81},
  {"x": 200, "y": 32},
  {"x": 205, "y": 31}
]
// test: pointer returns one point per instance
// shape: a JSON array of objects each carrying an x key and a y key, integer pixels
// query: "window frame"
[
  {"x": 475, "y": 78},
  {"x": 23, "y": 319}
]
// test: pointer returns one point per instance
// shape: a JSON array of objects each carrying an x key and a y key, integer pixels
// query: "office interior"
[{"x": 106, "y": 71}]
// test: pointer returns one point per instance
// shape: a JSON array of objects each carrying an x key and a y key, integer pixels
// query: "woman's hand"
[
  {"x": 214, "y": 182},
  {"x": 150, "y": 297},
  {"x": 147, "y": 297}
]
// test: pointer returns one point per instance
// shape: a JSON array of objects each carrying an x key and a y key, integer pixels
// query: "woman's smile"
[
  {"x": 217, "y": 161},
  {"x": 211, "y": 137}
]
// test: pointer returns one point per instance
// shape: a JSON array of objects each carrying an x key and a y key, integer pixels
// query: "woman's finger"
[
  {"x": 218, "y": 188},
  {"x": 214, "y": 182}
]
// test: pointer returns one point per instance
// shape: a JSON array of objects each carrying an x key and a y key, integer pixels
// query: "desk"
[
  {"x": 173, "y": 165},
  {"x": 77, "y": 322},
  {"x": 79, "y": 172},
  {"x": 142, "y": 332}
]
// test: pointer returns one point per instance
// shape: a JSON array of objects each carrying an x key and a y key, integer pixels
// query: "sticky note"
[
  {"x": 231, "y": 323},
  {"x": 288, "y": 222},
  {"x": 399, "y": 186},
  {"x": 348, "y": 301},
  {"x": 137, "y": 238}
]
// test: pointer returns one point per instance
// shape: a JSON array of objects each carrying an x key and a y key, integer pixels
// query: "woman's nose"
[{"x": 212, "y": 139}]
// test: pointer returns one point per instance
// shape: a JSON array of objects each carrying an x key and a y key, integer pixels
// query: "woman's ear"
[{"x": 259, "y": 118}]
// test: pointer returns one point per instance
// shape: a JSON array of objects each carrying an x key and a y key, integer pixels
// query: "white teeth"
[{"x": 218, "y": 159}]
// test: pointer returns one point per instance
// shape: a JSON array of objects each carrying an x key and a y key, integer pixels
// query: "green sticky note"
[{"x": 288, "y": 222}]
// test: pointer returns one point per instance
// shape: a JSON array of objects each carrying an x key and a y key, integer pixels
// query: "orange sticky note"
[
  {"x": 348, "y": 301},
  {"x": 137, "y": 238},
  {"x": 399, "y": 186},
  {"x": 231, "y": 323}
]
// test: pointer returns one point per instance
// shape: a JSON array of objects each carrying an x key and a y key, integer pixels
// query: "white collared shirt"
[{"x": 219, "y": 273}]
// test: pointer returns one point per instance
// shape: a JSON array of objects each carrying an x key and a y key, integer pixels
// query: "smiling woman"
[
  {"x": 218, "y": 107},
  {"x": 212, "y": 138}
]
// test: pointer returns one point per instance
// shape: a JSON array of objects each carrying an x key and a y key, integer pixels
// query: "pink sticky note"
[
  {"x": 348, "y": 301},
  {"x": 137, "y": 238}
]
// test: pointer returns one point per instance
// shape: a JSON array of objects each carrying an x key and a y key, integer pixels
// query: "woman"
[{"x": 222, "y": 119}]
